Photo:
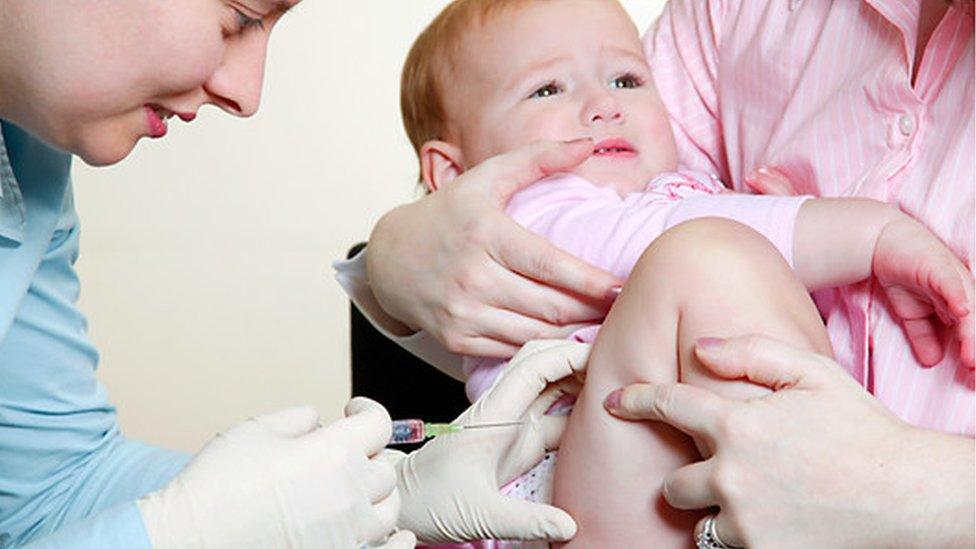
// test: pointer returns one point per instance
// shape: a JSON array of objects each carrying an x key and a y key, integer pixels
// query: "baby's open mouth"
[{"x": 614, "y": 147}]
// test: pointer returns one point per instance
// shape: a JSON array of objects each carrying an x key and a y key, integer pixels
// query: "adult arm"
[{"x": 817, "y": 451}]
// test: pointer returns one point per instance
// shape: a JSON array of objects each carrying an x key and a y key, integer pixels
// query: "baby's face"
[{"x": 562, "y": 70}]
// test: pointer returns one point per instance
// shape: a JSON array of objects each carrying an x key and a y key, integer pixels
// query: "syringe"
[{"x": 409, "y": 431}]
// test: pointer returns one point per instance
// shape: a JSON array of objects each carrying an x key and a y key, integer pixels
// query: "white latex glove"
[
  {"x": 450, "y": 487},
  {"x": 281, "y": 480}
]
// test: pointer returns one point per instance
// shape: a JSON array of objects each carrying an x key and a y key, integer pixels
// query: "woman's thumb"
[{"x": 508, "y": 173}]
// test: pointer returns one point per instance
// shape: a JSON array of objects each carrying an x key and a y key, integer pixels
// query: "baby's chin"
[{"x": 624, "y": 181}]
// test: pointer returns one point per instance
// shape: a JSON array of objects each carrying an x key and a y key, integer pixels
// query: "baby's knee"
[{"x": 710, "y": 251}]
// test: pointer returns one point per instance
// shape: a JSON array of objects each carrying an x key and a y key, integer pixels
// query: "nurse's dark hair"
[{"x": 432, "y": 62}]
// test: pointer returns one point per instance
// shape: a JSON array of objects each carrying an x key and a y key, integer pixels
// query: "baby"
[{"x": 489, "y": 76}]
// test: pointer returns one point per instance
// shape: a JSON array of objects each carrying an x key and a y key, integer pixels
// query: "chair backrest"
[{"x": 406, "y": 385}]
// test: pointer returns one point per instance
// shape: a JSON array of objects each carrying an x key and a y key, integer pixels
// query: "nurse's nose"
[
  {"x": 602, "y": 108},
  {"x": 236, "y": 85}
]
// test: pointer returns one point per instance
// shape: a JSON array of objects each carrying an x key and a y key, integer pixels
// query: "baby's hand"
[{"x": 930, "y": 290}]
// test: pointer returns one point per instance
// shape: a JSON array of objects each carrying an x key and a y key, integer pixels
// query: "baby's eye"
[
  {"x": 548, "y": 90},
  {"x": 626, "y": 81}
]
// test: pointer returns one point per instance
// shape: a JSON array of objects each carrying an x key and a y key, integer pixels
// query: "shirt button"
[{"x": 906, "y": 125}]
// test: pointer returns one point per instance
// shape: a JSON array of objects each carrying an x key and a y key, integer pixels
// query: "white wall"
[{"x": 205, "y": 256}]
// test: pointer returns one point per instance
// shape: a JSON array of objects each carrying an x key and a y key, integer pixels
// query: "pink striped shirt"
[{"x": 822, "y": 91}]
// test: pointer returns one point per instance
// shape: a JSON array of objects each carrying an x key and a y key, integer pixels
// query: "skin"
[
  {"x": 177, "y": 54},
  {"x": 555, "y": 71}
]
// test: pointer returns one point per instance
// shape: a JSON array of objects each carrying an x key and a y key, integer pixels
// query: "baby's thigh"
[{"x": 704, "y": 278}]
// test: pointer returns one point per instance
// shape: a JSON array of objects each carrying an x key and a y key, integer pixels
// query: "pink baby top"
[{"x": 599, "y": 226}]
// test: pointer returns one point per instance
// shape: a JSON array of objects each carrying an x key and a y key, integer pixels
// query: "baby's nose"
[{"x": 605, "y": 110}]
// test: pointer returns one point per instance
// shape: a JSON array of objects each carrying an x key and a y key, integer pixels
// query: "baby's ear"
[{"x": 440, "y": 163}]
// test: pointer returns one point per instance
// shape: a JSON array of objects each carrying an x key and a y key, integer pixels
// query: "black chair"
[{"x": 406, "y": 385}]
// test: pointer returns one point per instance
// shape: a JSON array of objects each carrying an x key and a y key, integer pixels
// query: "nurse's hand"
[
  {"x": 455, "y": 265},
  {"x": 450, "y": 487},
  {"x": 282, "y": 480},
  {"x": 817, "y": 463}
]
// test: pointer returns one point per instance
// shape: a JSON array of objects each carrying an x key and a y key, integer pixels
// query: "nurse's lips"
[{"x": 156, "y": 116}]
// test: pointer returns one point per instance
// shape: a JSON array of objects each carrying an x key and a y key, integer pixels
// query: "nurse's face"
[{"x": 94, "y": 76}]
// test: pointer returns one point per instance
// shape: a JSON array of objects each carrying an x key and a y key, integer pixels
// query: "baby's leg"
[{"x": 703, "y": 278}]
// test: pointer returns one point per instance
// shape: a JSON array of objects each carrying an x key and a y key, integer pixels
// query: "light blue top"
[{"x": 68, "y": 478}]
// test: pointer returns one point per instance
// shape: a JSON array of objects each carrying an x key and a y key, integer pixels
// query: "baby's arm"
[{"x": 840, "y": 241}]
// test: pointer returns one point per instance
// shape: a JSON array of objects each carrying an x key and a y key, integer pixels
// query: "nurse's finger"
[
  {"x": 553, "y": 429},
  {"x": 534, "y": 257},
  {"x": 366, "y": 426},
  {"x": 386, "y": 513},
  {"x": 379, "y": 479},
  {"x": 403, "y": 539},
  {"x": 528, "y": 374},
  {"x": 527, "y": 297},
  {"x": 694, "y": 411},
  {"x": 291, "y": 422},
  {"x": 690, "y": 486}
]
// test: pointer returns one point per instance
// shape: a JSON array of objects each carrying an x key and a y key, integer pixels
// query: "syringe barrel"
[{"x": 408, "y": 431}]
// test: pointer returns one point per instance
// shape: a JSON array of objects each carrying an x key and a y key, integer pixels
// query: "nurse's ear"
[{"x": 440, "y": 163}]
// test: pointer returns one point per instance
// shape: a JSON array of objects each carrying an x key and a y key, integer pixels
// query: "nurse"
[{"x": 92, "y": 78}]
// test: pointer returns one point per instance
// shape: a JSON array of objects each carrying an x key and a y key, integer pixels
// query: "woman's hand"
[
  {"x": 450, "y": 487},
  {"x": 817, "y": 463},
  {"x": 455, "y": 265},
  {"x": 282, "y": 480}
]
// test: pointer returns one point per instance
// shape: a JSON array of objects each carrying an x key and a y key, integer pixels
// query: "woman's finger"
[
  {"x": 690, "y": 487},
  {"x": 532, "y": 256},
  {"x": 764, "y": 361},
  {"x": 692, "y": 410},
  {"x": 516, "y": 329},
  {"x": 510, "y": 172},
  {"x": 770, "y": 181},
  {"x": 486, "y": 347},
  {"x": 925, "y": 339},
  {"x": 525, "y": 296},
  {"x": 966, "y": 334}
]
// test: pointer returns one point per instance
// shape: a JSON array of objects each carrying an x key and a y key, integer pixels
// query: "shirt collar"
[
  {"x": 903, "y": 14},
  {"x": 13, "y": 213}
]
